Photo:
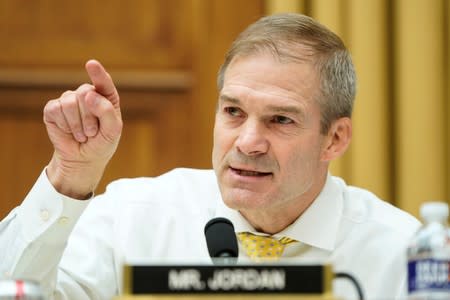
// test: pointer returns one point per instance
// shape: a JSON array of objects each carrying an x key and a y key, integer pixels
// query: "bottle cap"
[{"x": 434, "y": 211}]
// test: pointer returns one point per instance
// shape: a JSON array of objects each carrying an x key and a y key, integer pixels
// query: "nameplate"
[{"x": 206, "y": 279}]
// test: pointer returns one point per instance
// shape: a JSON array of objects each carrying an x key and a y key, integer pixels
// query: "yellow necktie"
[{"x": 263, "y": 247}]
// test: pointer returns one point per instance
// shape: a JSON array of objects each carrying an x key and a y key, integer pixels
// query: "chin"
[{"x": 243, "y": 200}]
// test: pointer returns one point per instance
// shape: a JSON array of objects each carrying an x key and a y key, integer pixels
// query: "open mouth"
[{"x": 249, "y": 173}]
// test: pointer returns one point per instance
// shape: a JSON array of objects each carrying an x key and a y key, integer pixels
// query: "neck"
[{"x": 275, "y": 219}]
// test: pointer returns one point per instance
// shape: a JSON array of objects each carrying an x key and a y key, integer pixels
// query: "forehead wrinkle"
[{"x": 289, "y": 91}]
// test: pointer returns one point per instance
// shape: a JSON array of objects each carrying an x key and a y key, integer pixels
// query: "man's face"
[{"x": 267, "y": 141}]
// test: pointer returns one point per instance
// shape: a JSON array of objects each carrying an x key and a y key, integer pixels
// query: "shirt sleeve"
[{"x": 34, "y": 235}]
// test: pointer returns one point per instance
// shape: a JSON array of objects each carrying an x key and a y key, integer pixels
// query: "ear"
[{"x": 337, "y": 140}]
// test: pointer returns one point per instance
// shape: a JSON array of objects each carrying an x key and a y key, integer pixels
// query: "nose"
[{"x": 252, "y": 140}]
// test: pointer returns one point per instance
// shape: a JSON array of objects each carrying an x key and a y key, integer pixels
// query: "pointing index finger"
[{"x": 102, "y": 81}]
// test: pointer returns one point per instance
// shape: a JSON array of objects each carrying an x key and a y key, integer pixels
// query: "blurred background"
[{"x": 164, "y": 56}]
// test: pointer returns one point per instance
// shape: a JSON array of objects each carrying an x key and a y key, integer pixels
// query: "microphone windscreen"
[{"x": 221, "y": 238}]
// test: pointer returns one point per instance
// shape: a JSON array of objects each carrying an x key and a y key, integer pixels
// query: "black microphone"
[{"x": 221, "y": 240}]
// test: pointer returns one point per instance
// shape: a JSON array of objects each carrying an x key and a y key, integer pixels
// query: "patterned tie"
[{"x": 263, "y": 247}]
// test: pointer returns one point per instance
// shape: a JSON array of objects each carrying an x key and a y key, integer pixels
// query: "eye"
[
  {"x": 233, "y": 111},
  {"x": 282, "y": 120}
]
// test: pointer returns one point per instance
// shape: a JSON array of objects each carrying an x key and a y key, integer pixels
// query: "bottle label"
[{"x": 428, "y": 274}]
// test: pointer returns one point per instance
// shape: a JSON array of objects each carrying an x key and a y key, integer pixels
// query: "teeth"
[{"x": 250, "y": 173}]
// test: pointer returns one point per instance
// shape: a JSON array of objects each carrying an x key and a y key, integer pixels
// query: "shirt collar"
[{"x": 317, "y": 226}]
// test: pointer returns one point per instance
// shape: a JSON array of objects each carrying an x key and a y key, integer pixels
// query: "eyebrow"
[
  {"x": 225, "y": 98},
  {"x": 273, "y": 108}
]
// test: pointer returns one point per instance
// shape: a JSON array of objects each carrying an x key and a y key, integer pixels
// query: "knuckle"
[
  {"x": 68, "y": 103},
  {"x": 51, "y": 107},
  {"x": 84, "y": 88},
  {"x": 66, "y": 94}
]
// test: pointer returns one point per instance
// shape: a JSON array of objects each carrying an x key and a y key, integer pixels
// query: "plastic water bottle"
[
  {"x": 429, "y": 255},
  {"x": 12, "y": 289}
]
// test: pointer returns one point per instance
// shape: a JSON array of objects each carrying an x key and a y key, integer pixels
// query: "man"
[{"x": 286, "y": 93}]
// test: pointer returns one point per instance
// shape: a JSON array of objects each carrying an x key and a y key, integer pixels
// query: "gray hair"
[{"x": 283, "y": 35}]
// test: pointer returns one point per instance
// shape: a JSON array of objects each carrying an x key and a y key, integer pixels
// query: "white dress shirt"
[{"x": 76, "y": 249}]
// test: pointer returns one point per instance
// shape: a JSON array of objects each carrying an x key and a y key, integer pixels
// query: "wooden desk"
[{"x": 227, "y": 297}]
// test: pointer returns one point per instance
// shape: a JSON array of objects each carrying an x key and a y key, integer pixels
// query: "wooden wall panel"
[
  {"x": 24, "y": 150},
  {"x": 138, "y": 34}
]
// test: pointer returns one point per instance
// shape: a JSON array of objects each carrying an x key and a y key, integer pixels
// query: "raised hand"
[{"x": 84, "y": 127}]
